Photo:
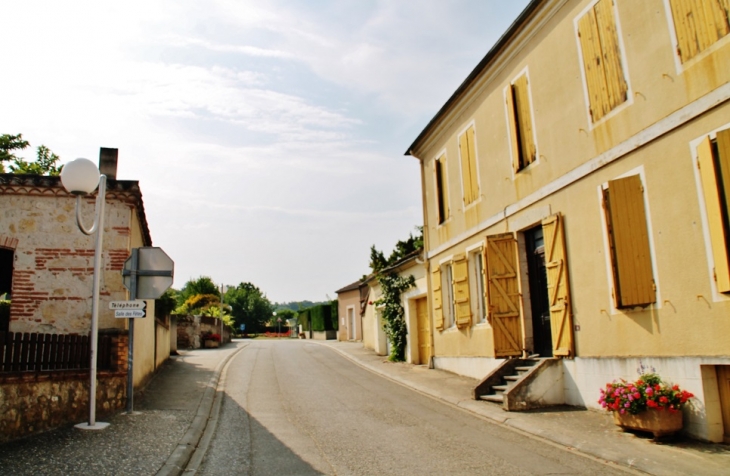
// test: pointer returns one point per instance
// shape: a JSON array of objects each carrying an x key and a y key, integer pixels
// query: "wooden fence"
[{"x": 34, "y": 352}]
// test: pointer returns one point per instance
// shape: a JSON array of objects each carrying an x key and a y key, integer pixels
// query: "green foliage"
[
  {"x": 323, "y": 317},
  {"x": 393, "y": 313},
  {"x": 202, "y": 285},
  {"x": 403, "y": 248},
  {"x": 249, "y": 306},
  {"x": 45, "y": 163},
  {"x": 284, "y": 315},
  {"x": 304, "y": 319},
  {"x": 166, "y": 304},
  {"x": 295, "y": 305}
]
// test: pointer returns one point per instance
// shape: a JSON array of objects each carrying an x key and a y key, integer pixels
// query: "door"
[
  {"x": 352, "y": 334},
  {"x": 539, "y": 301},
  {"x": 503, "y": 295},
  {"x": 723, "y": 382},
  {"x": 424, "y": 331},
  {"x": 558, "y": 285}
]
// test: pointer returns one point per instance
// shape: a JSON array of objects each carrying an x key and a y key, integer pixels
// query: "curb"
[{"x": 176, "y": 463}]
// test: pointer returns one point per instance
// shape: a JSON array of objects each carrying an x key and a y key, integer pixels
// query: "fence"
[{"x": 34, "y": 352}]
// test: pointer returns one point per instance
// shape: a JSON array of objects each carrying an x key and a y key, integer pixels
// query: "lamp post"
[{"x": 81, "y": 177}]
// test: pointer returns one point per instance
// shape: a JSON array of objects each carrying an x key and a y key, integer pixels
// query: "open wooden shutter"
[
  {"x": 524, "y": 121},
  {"x": 465, "y": 169},
  {"x": 626, "y": 216},
  {"x": 615, "y": 82},
  {"x": 556, "y": 263},
  {"x": 512, "y": 132},
  {"x": 504, "y": 294},
  {"x": 438, "y": 312},
  {"x": 461, "y": 291},
  {"x": 714, "y": 205}
]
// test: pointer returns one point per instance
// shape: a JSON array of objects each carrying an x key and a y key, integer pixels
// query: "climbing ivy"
[{"x": 393, "y": 313}]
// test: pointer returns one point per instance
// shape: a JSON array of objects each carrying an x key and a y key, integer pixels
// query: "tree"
[
  {"x": 45, "y": 164},
  {"x": 202, "y": 285},
  {"x": 249, "y": 306}
]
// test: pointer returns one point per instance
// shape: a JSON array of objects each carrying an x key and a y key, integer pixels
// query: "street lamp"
[{"x": 81, "y": 177}]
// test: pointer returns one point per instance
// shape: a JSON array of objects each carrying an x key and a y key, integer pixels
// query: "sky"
[{"x": 268, "y": 138}]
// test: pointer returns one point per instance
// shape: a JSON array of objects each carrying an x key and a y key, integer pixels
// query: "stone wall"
[
  {"x": 36, "y": 402},
  {"x": 191, "y": 328}
]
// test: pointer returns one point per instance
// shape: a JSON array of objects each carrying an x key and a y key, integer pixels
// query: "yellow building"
[{"x": 576, "y": 193}]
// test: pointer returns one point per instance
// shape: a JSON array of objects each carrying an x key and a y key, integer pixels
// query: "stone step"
[
  {"x": 492, "y": 398},
  {"x": 512, "y": 378},
  {"x": 500, "y": 388}
]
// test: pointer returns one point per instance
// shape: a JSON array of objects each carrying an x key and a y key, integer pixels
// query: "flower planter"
[
  {"x": 658, "y": 422},
  {"x": 211, "y": 343}
]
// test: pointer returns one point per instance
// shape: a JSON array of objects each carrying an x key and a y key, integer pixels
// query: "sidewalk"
[
  {"x": 171, "y": 415},
  {"x": 586, "y": 431}
]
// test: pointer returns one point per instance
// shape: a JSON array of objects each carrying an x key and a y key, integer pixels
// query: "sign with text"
[
  {"x": 130, "y": 313},
  {"x": 127, "y": 305}
]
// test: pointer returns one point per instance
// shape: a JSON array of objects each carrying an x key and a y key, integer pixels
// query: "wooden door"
[
  {"x": 424, "y": 331},
  {"x": 556, "y": 263},
  {"x": 723, "y": 382},
  {"x": 504, "y": 298}
]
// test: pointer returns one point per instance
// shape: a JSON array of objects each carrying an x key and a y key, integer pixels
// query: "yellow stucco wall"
[{"x": 641, "y": 136}]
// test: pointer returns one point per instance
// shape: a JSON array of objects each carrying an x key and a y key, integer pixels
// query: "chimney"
[{"x": 108, "y": 162}]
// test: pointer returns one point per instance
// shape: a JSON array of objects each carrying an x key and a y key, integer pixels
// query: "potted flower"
[
  {"x": 648, "y": 404},
  {"x": 211, "y": 340}
]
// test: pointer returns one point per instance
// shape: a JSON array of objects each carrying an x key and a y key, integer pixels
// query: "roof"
[
  {"x": 350, "y": 287},
  {"x": 482, "y": 66},
  {"x": 45, "y": 186}
]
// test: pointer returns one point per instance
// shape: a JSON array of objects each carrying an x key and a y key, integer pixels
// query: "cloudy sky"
[{"x": 267, "y": 137}]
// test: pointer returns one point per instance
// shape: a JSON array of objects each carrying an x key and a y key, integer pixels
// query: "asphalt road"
[{"x": 297, "y": 408}]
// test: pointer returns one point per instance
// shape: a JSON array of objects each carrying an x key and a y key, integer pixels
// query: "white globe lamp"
[{"x": 80, "y": 176}]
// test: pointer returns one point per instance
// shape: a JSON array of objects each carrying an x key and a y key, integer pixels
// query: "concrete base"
[{"x": 96, "y": 426}]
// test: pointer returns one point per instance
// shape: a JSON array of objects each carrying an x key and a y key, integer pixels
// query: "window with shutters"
[
  {"x": 478, "y": 290},
  {"x": 519, "y": 116},
  {"x": 442, "y": 200},
  {"x": 698, "y": 24},
  {"x": 628, "y": 237},
  {"x": 469, "y": 175},
  {"x": 603, "y": 69},
  {"x": 713, "y": 162},
  {"x": 447, "y": 294}
]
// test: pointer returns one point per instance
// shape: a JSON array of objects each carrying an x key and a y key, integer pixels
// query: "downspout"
[{"x": 425, "y": 253}]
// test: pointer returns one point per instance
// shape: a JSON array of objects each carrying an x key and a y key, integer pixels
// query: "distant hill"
[{"x": 296, "y": 305}]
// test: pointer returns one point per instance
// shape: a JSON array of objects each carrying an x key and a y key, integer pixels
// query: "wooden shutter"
[
  {"x": 556, "y": 264},
  {"x": 512, "y": 132},
  {"x": 461, "y": 291},
  {"x": 524, "y": 121},
  {"x": 698, "y": 24},
  {"x": 504, "y": 294},
  {"x": 714, "y": 203},
  {"x": 438, "y": 312},
  {"x": 465, "y": 170},
  {"x": 474, "y": 178},
  {"x": 607, "y": 87},
  {"x": 626, "y": 217}
]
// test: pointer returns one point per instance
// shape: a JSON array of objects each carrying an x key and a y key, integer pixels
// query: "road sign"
[
  {"x": 127, "y": 305},
  {"x": 130, "y": 313},
  {"x": 148, "y": 272}
]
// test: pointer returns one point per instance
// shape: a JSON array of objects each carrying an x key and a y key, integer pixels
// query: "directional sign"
[
  {"x": 148, "y": 272},
  {"x": 129, "y": 313},
  {"x": 127, "y": 305}
]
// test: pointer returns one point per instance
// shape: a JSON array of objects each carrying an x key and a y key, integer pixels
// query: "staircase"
[{"x": 509, "y": 384}]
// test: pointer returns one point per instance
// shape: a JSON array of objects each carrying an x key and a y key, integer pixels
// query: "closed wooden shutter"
[
  {"x": 717, "y": 203},
  {"x": 512, "y": 132},
  {"x": 524, "y": 121},
  {"x": 556, "y": 264},
  {"x": 626, "y": 217},
  {"x": 461, "y": 291},
  {"x": 607, "y": 86},
  {"x": 438, "y": 312},
  {"x": 699, "y": 24},
  {"x": 467, "y": 152},
  {"x": 504, "y": 299}
]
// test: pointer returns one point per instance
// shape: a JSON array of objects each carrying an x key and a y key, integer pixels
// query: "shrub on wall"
[{"x": 304, "y": 319}]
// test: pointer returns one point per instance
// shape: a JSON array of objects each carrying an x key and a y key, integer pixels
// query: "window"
[
  {"x": 441, "y": 192},
  {"x": 628, "y": 236},
  {"x": 467, "y": 152},
  {"x": 476, "y": 278},
  {"x": 698, "y": 25},
  {"x": 713, "y": 160},
  {"x": 603, "y": 72},
  {"x": 6, "y": 286},
  {"x": 520, "y": 123}
]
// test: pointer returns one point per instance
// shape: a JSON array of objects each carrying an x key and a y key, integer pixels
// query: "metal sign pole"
[{"x": 130, "y": 347}]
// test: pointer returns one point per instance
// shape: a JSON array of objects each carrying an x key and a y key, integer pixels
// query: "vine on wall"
[{"x": 393, "y": 313}]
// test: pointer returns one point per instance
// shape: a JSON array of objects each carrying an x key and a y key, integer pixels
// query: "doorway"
[
  {"x": 539, "y": 299},
  {"x": 723, "y": 382},
  {"x": 424, "y": 331},
  {"x": 351, "y": 329}
]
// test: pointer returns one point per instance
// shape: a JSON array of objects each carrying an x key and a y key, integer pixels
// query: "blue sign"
[{"x": 243, "y": 327}]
